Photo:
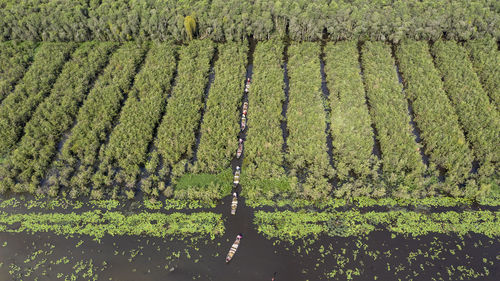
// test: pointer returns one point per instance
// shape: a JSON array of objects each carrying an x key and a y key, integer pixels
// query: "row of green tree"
[
  {"x": 435, "y": 116},
  {"x": 477, "y": 115},
  {"x": 219, "y": 130},
  {"x": 79, "y": 155},
  {"x": 352, "y": 135},
  {"x": 125, "y": 153},
  {"x": 486, "y": 61},
  {"x": 82, "y": 20},
  {"x": 15, "y": 57},
  {"x": 307, "y": 154},
  {"x": 176, "y": 135},
  {"x": 28, "y": 163},
  {"x": 401, "y": 160},
  {"x": 20, "y": 104}
]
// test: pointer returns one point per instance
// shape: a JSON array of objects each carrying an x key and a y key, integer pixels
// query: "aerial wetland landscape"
[{"x": 249, "y": 140}]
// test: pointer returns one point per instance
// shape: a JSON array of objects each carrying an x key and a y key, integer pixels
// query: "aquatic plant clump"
[
  {"x": 290, "y": 226},
  {"x": 97, "y": 223}
]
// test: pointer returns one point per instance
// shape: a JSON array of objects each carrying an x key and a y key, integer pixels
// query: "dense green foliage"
[
  {"x": 113, "y": 20},
  {"x": 263, "y": 174},
  {"x": 97, "y": 224},
  {"x": 28, "y": 163},
  {"x": 401, "y": 162},
  {"x": 15, "y": 57},
  {"x": 121, "y": 158},
  {"x": 95, "y": 119},
  {"x": 18, "y": 107},
  {"x": 263, "y": 148},
  {"x": 176, "y": 134},
  {"x": 485, "y": 58},
  {"x": 306, "y": 123},
  {"x": 352, "y": 135},
  {"x": 478, "y": 117},
  {"x": 220, "y": 125},
  {"x": 288, "y": 225},
  {"x": 435, "y": 116},
  {"x": 203, "y": 187}
]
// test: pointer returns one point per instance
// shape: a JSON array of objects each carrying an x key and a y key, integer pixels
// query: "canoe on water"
[
  {"x": 233, "y": 249},
  {"x": 245, "y": 108},
  {"x": 236, "y": 180},
  {"x": 243, "y": 122},
  {"x": 240, "y": 150},
  {"x": 234, "y": 204}
]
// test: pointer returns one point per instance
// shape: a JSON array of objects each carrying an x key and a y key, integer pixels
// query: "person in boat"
[
  {"x": 234, "y": 203},
  {"x": 234, "y": 247},
  {"x": 247, "y": 86},
  {"x": 236, "y": 180},
  {"x": 243, "y": 122},
  {"x": 245, "y": 107}
]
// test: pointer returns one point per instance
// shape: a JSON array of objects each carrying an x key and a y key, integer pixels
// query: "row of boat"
[{"x": 236, "y": 179}]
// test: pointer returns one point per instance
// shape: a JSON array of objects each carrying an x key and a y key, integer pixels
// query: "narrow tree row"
[
  {"x": 441, "y": 133},
  {"x": 306, "y": 121},
  {"x": 263, "y": 148},
  {"x": 95, "y": 119},
  {"x": 221, "y": 120},
  {"x": 477, "y": 115},
  {"x": 176, "y": 135},
  {"x": 15, "y": 57},
  {"x": 28, "y": 163},
  {"x": 18, "y": 107},
  {"x": 389, "y": 110},
  {"x": 352, "y": 134},
  {"x": 263, "y": 165},
  {"x": 485, "y": 59},
  {"x": 127, "y": 148}
]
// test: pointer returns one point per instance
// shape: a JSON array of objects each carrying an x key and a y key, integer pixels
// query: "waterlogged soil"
[{"x": 380, "y": 255}]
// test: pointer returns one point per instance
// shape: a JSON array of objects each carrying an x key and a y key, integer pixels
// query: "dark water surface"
[{"x": 379, "y": 255}]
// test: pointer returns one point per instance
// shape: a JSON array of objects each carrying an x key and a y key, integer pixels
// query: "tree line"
[{"x": 234, "y": 20}]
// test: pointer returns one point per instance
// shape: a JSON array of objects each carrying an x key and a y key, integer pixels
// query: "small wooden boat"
[
  {"x": 245, "y": 108},
  {"x": 233, "y": 249},
  {"x": 243, "y": 122},
  {"x": 240, "y": 149},
  {"x": 236, "y": 180},
  {"x": 234, "y": 204},
  {"x": 247, "y": 85}
]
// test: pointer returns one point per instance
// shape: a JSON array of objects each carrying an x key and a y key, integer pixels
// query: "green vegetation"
[
  {"x": 119, "y": 20},
  {"x": 97, "y": 224},
  {"x": 401, "y": 162},
  {"x": 263, "y": 148},
  {"x": 27, "y": 164},
  {"x": 306, "y": 123},
  {"x": 220, "y": 126},
  {"x": 290, "y": 226},
  {"x": 176, "y": 134},
  {"x": 18, "y": 107},
  {"x": 352, "y": 135},
  {"x": 485, "y": 58},
  {"x": 435, "y": 116},
  {"x": 124, "y": 154},
  {"x": 95, "y": 119},
  {"x": 478, "y": 117},
  {"x": 263, "y": 174},
  {"x": 15, "y": 58}
]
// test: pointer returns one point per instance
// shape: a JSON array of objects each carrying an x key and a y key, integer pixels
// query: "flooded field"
[{"x": 380, "y": 255}]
